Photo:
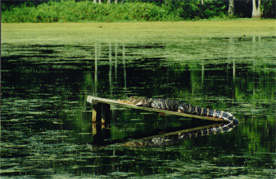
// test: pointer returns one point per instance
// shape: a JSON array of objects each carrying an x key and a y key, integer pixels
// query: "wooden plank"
[{"x": 93, "y": 99}]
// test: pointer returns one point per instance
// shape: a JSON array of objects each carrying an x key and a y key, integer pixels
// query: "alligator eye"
[{"x": 181, "y": 108}]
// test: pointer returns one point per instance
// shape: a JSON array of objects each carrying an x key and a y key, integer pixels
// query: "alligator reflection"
[
  {"x": 176, "y": 136},
  {"x": 171, "y": 136}
]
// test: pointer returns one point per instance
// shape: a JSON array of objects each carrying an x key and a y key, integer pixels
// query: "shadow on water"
[{"x": 46, "y": 122}]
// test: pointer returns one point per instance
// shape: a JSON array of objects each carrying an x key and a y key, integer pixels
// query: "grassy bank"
[
  {"x": 88, "y": 33},
  {"x": 130, "y": 10},
  {"x": 71, "y": 11}
]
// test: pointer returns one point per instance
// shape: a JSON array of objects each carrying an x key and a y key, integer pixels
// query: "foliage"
[
  {"x": 193, "y": 9},
  {"x": 269, "y": 8},
  {"x": 130, "y": 10},
  {"x": 71, "y": 11}
]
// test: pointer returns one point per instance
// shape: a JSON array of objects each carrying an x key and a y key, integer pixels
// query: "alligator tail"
[{"x": 226, "y": 116}]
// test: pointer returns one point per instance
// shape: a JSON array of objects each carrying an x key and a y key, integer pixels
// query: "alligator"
[
  {"x": 230, "y": 121},
  {"x": 173, "y": 105}
]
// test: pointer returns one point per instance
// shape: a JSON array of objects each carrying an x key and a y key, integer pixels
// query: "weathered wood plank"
[{"x": 93, "y": 99}]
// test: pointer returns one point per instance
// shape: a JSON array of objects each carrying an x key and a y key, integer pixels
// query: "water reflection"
[
  {"x": 113, "y": 65},
  {"x": 45, "y": 125},
  {"x": 102, "y": 136}
]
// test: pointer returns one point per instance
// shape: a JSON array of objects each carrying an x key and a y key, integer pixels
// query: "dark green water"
[{"x": 46, "y": 128}]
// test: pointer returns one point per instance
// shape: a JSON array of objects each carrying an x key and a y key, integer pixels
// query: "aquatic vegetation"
[
  {"x": 180, "y": 34},
  {"x": 46, "y": 128}
]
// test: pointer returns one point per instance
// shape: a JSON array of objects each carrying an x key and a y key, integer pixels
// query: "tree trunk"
[
  {"x": 116, "y": 1},
  {"x": 256, "y": 13},
  {"x": 231, "y": 10},
  {"x": 202, "y": 2},
  {"x": 100, "y": 1},
  {"x": 108, "y": 1},
  {"x": 259, "y": 13},
  {"x": 95, "y": 1},
  {"x": 254, "y": 10}
]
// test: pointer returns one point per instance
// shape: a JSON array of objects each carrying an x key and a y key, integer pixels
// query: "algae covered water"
[{"x": 46, "y": 128}]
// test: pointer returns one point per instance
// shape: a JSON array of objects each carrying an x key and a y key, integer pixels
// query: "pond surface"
[{"x": 46, "y": 128}]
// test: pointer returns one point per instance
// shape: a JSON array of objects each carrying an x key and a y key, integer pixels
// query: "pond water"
[{"x": 46, "y": 128}]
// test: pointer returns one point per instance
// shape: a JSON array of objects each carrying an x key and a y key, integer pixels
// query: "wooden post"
[
  {"x": 105, "y": 109},
  {"x": 96, "y": 112},
  {"x": 105, "y": 121},
  {"x": 100, "y": 122},
  {"x": 101, "y": 113},
  {"x": 97, "y": 134}
]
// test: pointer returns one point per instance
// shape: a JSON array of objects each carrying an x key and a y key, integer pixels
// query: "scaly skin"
[{"x": 171, "y": 105}]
